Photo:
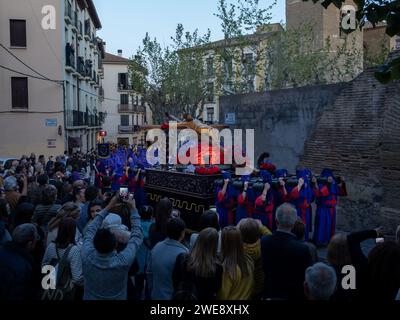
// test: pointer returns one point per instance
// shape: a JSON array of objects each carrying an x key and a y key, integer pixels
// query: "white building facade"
[
  {"x": 83, "y": 73},
  {"x": 49, "y": 80},
  {"x": 126, "y": 110}
]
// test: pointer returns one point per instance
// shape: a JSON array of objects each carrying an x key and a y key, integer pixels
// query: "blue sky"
[{"x": 125, "y": 22}]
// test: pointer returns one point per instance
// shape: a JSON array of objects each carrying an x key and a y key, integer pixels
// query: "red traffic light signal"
[{"x": 103, "y": 133}]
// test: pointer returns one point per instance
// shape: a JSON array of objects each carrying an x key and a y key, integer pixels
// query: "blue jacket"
[
  {"x": 163, "y": 258},
  {"x": 83, "y": 217},
  {"x": 144, "y": 252},
  {"x": 106, "y": 275}
]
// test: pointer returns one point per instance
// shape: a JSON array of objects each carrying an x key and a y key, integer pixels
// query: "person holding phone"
[
  {"x": 135, "y": 182},
  {"x": 344, "y": 250},
  {"x": 123, "y": 193},
  {"x": 105, "y": 270}
]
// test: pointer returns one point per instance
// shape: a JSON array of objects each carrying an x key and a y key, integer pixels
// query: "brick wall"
[
  {"x": 376, "y": 41},
  {"x": 282, "y": 119},
  {"x": 359, "y": 137},
  {"x": 300, "y": 12},
  {"x": 353, "y": 128}
]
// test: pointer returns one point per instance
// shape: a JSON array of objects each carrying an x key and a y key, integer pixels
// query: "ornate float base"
[{"x": 191, "y": 194}]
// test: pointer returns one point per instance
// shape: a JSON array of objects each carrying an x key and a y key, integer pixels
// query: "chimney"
[{"x": 120, "y": 52}]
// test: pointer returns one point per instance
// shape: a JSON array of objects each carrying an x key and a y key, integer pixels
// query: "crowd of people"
[{"x": 66, "y": 232}]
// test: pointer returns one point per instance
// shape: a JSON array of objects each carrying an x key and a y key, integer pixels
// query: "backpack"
[
  {"x": 65, "y": 289},
  {"x": 185, "y": 289}
]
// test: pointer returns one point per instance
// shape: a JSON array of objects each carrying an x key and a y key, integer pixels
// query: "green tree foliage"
[
  {"x": 286, "y": 58},
  {"x": 295, "y": 59},
  {"x": 175, "y": 79},
  {"x": 241, "y": 56}
]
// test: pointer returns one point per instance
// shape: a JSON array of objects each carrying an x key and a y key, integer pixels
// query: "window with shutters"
[
  {"x": 124, "y": 99},
  {"x": 124, "y": 120},
  {"x": 123, "y": 81},
  {"x": 210, "y": 92},
  {"x": 18, "y": 33},
  {"x": 210, "y": 67},
  {"x": 19, "y": 92},
  {"x": 210, "y": 114}
]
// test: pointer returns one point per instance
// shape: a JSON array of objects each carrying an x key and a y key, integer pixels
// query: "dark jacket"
[
  {"x": 4, "y": 234},
  {"x": 17, "y": 279},
  {"x": 285, "y": 260},
  {"x": 206, "y": 288},
  {"x": 360, "y": 263},
  {"x": 155, "y": 236}
]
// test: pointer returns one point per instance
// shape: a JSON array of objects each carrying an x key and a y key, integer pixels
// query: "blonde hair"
[
  {"x": 338, "y": 251},
  {"x": 68, "y": 210},
  {"x": 232, "y": 252}
]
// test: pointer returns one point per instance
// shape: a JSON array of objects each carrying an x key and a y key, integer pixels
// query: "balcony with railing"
[
  {"x": 93, "y": 41},
  {"x": 94, "y": 79},
  {"x": 100, "y": 66},
  {"x": 101, "y": 93},
  {"x": 69, "y": 58},
  {"x": 68, "y": 13},
  {"x": 124, "y": 86},
  {"x": 75, "y": 22},
  {"x": 128, "y": 129},
  {"x": 88, "y": 70},
  {"x": 80, "y": 30},
  {"x": 97, "y": 81},
  {"x": 88, "y": 30},
  {"x": 130, "y": 108},
  {"x": 93, "y": 120},
  {"x": 102, "y": 117},
  {"x": 80, "y": 67},
  {"x": 76, "y": 118}
]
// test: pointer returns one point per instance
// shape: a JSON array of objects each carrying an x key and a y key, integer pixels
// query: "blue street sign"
[{"x": 51, "y": 122}]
